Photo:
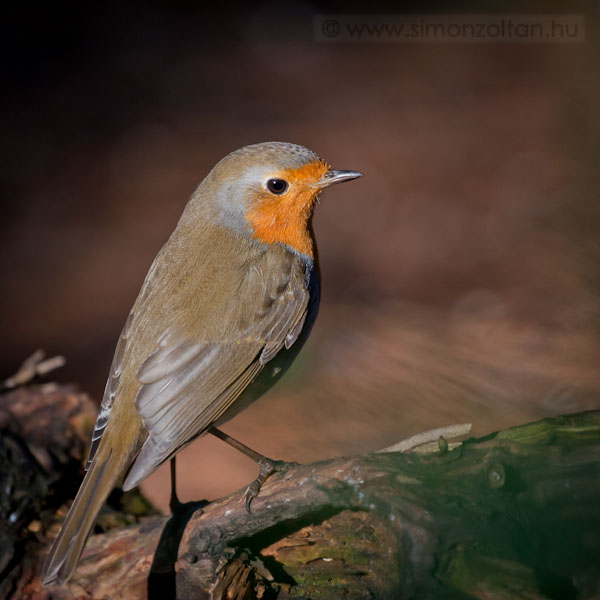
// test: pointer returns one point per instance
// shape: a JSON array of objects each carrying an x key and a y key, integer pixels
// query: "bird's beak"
[{"x": 336, "y": 176}]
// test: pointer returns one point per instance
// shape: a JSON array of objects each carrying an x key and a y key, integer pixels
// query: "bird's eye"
[{"x": 277, "y": 186}]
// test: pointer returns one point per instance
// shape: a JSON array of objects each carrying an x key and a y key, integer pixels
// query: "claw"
[
  {"x": 250, "y": 494},
  {"x": 266, "y": 468}
]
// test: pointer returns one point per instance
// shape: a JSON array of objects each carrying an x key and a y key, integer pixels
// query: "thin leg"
[
  {"x": 267, "y": 466},
  {"x": 251, "y": 454},
  {"x": 174, "y": 502}
]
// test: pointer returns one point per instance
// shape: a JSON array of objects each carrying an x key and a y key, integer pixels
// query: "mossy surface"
[{"x": 512, "y": 515}]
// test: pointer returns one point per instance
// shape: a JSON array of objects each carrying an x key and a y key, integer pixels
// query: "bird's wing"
[
  {"x": 110, "y": 391},
  {"x": 114, "y": 377},
  {"x": 189, "y": 383}
]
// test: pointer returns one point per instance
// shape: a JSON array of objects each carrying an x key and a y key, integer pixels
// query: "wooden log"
[
  {"x": 513, "y": 514},
  {"x": 44, "y": 432}
]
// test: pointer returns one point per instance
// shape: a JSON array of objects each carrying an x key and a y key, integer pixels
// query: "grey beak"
[{"x": 334, "y": 176}]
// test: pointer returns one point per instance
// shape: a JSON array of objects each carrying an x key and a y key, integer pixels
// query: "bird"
[{"x": 225, "y": 307}]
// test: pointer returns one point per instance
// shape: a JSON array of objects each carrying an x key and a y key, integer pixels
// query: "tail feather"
[{"x": 68, "y": 546}]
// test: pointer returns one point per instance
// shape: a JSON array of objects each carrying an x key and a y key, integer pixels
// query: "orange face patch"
[{"x": 284, "y": 218}]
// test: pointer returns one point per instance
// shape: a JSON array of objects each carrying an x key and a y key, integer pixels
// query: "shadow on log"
[{"x": 513, "y": 515}]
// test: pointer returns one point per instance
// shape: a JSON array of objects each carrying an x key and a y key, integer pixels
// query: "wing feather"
[
  {"x": 187, "y": 384},
  {"x": 110, "y": 391},
  {"x": 286, "y": 321}
]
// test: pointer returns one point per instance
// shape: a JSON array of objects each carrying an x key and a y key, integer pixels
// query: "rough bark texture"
[
  {"x": 44, "y": 432},
  {"x": 514, "y": 514}
]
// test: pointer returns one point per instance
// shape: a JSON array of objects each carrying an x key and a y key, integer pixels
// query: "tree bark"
[{"x": 514, "y": 514}]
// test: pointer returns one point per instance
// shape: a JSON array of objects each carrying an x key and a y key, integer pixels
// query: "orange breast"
[{"x": 284, "y": 218}]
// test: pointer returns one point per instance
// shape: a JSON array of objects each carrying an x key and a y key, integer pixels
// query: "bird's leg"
[
  {"x": 174, "y": 502},
  {"x": 266, "y": 466}
]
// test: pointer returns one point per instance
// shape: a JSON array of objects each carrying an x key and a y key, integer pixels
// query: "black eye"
[{"x": 277, "y": 186}]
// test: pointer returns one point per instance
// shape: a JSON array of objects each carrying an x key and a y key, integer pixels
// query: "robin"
[{"x": 224, "y": 309}]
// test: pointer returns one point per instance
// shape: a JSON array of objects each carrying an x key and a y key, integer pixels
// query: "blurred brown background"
[{"x": 461, "y": 275}]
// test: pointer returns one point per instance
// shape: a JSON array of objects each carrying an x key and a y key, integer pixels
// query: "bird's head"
[{"x": 268, "y": 191}]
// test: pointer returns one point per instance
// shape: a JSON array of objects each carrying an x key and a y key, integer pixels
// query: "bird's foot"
[{"x": 266, "y": 468}]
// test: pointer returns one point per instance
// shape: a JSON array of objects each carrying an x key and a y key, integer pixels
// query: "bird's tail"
[{"x": 68, "y": 546}]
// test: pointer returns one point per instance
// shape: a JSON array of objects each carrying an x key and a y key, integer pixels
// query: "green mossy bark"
[{"x": 513, "y": 515}]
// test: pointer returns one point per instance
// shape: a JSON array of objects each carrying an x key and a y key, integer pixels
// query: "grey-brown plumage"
[
  {"x": 224, "y": 309},
  {"x": 199, "y": 366}
]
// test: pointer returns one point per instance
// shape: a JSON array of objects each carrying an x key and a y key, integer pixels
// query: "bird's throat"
[
  {"x": 285, "y": 219},
  {"x": 274, "y": 224}
]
